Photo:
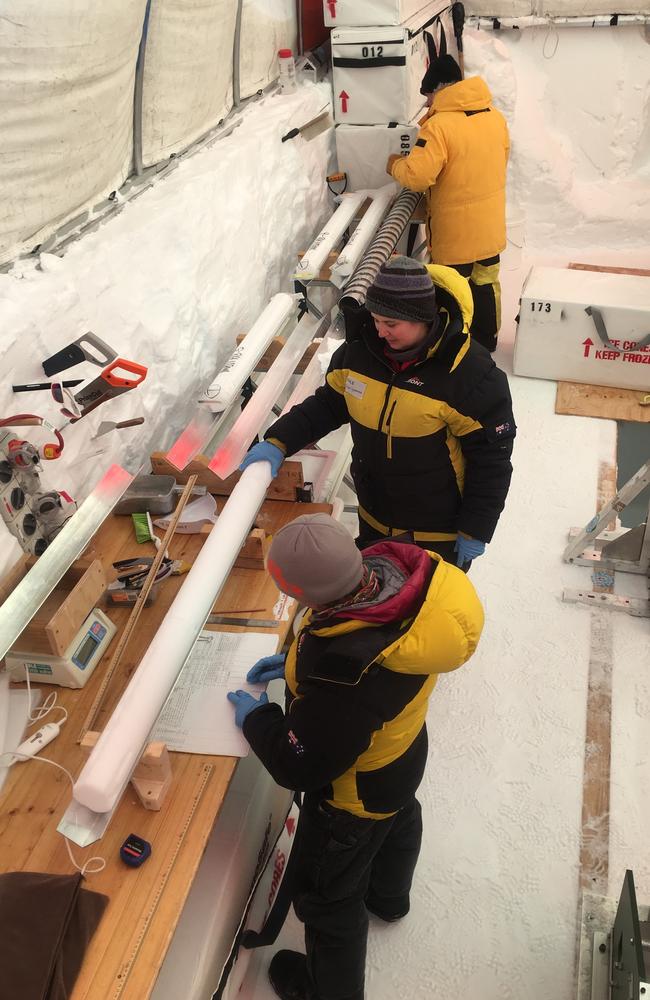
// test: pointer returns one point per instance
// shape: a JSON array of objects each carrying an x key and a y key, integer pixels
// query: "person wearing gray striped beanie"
[{"x": 402, "y": 303}]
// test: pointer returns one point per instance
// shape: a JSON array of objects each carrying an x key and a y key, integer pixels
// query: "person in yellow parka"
[
  {"x": 381, "y": 626},
  {"x": 460, "y": 159}
]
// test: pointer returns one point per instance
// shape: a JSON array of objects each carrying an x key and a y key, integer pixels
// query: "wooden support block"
[
  {"x": 254, "y": 550},
  {"x": 283, "y": 487},
  {"x": 274, "y": 348},
  {"x": 153, "y": 775}
]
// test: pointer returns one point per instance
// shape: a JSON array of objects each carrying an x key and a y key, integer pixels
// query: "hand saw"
[{"x": 110, "y": 384}]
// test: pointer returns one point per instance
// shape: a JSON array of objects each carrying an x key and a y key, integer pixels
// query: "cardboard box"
[
  {"x": 362, "y": 151},
  {"x": 558, "y": 336},
  {"x": 377, "y": 72},
  {"x": 355, "y": 13}
]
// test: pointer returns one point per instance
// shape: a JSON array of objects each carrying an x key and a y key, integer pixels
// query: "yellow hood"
[{"x": 472, "y": 94}]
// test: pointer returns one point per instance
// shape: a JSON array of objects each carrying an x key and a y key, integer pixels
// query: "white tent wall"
[
  {"x": 266, "y": 26},
  {"x": 169, "y": 282},
  {"x": 187, "y": 73},
  {"x": 576, "y": 101},
  {"x": 67, "y": 73}
]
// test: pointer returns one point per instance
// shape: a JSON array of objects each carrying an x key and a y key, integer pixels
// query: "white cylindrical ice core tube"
[
  {"x": 118, "y": 749},
  {"x": 227, "y": 385},
  {"x": 228, "y": 456},
  {"x": 329, "y": 236},
  {"x": 362, "y": 236},
  {"x": 314, "y": 373}
]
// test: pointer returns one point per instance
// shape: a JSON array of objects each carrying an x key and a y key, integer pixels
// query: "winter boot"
[{"x": 390, "y": 908}]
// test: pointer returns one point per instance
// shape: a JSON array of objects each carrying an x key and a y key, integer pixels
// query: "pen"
[{"x": 30, "y": 386}]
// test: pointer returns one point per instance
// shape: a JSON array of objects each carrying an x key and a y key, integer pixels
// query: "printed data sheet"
[{"x": 197, "y": 717}]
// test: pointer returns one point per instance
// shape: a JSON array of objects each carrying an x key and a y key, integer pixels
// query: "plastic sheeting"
[
  {"x": 187, "y": 73},
  {"x": 266, "y": 26},
  {"x": 66, "y": 111}
]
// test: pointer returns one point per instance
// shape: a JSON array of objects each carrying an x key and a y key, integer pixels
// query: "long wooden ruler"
[
  {"x": 157, "y": 890},
  {"x": 128, "y": 630}
]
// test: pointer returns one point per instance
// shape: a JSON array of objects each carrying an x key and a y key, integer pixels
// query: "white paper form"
[{"x": 197, "y": 717}]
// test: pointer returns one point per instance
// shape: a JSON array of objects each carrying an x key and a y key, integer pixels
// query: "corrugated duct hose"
[{"x": 379, "y": 250}]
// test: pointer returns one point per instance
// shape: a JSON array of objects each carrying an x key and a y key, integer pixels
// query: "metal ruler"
[
  {"x": 125, "y": 969},
  {"x": 246, "y": 622},
  {"x": 137, "y": 609}
]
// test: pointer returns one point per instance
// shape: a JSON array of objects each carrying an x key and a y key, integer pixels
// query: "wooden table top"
[{"x": 145, "y": 903}]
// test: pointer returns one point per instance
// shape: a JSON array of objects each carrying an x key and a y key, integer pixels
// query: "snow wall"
[
  {"x": 67, "y": 80},
  {"x": 169, "y": 282}
]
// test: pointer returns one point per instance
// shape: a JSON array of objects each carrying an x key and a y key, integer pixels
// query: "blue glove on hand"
[
  {"x": 244, "y": 703},
  {"x": 267, "y": 669},
  {"x": 468, "y": 549},
  {"x": 264, "y": 452}
]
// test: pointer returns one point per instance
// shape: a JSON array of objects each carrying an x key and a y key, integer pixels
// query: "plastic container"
[
  {"x": 287, "y": 79},
  {"x": 156, "y": 494}
]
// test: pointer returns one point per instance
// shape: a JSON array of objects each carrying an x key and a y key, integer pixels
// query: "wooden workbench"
[{"x": 145, "y": 903}]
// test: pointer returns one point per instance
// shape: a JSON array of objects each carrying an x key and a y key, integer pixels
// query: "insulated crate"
[
  {"x": 564, "y": 316},
  {"x": 355, "y": 13},
  {"x": 362, "y": 151},
  {"x": 377, "y": 72}
]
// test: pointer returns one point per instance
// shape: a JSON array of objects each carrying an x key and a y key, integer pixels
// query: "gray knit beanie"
[
  {"x": 403, "y": 289},
  {"x": 315, "y": 559}
]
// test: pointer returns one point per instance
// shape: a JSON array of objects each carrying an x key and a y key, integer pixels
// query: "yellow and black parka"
[
  {"x": 354, "y": 730},
  {"x": 431, "y": 443}
]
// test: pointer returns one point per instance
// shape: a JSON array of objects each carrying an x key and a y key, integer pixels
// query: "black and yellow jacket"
[
  {"x": 358, "y": 693},
  {"x": 432, "y": 443}
]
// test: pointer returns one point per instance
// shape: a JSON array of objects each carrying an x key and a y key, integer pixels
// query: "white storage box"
[
  {"x": 377, "y": 72},
  {"x": 563, "y": 317},
  {"x": 355, "y": 13},
  {"x": 362, "y": 151}
]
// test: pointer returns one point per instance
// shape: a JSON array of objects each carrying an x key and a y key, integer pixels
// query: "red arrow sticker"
[
  {"x": 332, "y": 6},
  {"x": 344, "y": 101},
  {"x": 588, "y": 344}
]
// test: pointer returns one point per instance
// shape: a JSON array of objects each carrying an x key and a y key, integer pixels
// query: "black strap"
[{"x": 347, "y": 63}]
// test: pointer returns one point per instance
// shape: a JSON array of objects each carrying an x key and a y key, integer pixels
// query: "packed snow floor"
[{"x": 494, "y": 912}]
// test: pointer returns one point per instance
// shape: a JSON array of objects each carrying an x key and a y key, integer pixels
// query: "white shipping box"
[
  {"x": 377, "y": 72},
  {"x": 561, "y": 314},
  {"x": 363, "y": 150},
  {"x": 355, "y": 13}
]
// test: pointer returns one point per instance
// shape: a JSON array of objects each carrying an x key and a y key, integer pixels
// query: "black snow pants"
[{"x": 343, "y": 860}]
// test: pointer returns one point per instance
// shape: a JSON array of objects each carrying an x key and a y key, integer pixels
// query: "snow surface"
[{"x": 190, "y": 264}]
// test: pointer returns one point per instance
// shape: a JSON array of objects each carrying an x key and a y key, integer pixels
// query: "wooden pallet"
[{"x": 576, "y": 399}]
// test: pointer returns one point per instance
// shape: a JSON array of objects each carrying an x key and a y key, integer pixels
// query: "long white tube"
[
  {"x": 310, "y": 265},
  {"x": 228, "y": 456},
  {"x": 227, "y": 385},
  {"x": 120, "y": 745},
  {"x": 362, "y": 236},
  {"x": 223, "y": 391}
]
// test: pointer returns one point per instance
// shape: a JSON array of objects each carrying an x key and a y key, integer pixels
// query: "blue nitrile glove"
[
  {"x": 244, "y": 703},
  {"x": 468, "y": 549},
  {"x": 269, "y": 668},
  {"x": 264, "y": 452}
]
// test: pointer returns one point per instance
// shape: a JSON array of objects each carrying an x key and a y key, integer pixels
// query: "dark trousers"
[
  {"x": 341, "y": 858},
  {"x": 484, "y": 282}
]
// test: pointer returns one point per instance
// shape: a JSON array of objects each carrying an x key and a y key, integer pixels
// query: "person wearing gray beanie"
[
  {"x": 381, "y": 626},
  {"x": 430, "y": 414}
]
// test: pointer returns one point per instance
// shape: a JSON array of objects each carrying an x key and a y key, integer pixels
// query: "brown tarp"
[{"x": 46, "y": 923}]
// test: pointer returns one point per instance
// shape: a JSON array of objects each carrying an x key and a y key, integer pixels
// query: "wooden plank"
[
  {"x": 605, "y": 269},
  {"x": 594, "y": 845},
  {"x": 274, "y": 348},
  {"x": 576, "y": 399},
  {"x": 282, "y": 487}
]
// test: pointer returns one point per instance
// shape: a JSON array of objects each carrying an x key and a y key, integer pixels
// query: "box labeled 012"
[{"x": 377, "y": 72}]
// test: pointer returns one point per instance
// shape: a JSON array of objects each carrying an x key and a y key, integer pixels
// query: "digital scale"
[{"x": 77, "y": 663}]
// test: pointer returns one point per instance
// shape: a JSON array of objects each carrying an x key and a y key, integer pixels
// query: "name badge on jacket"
[{"x": 355, "y": 387}]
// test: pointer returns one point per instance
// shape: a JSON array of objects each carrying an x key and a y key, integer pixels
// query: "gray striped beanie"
[{"x": 403, "y": 290}]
